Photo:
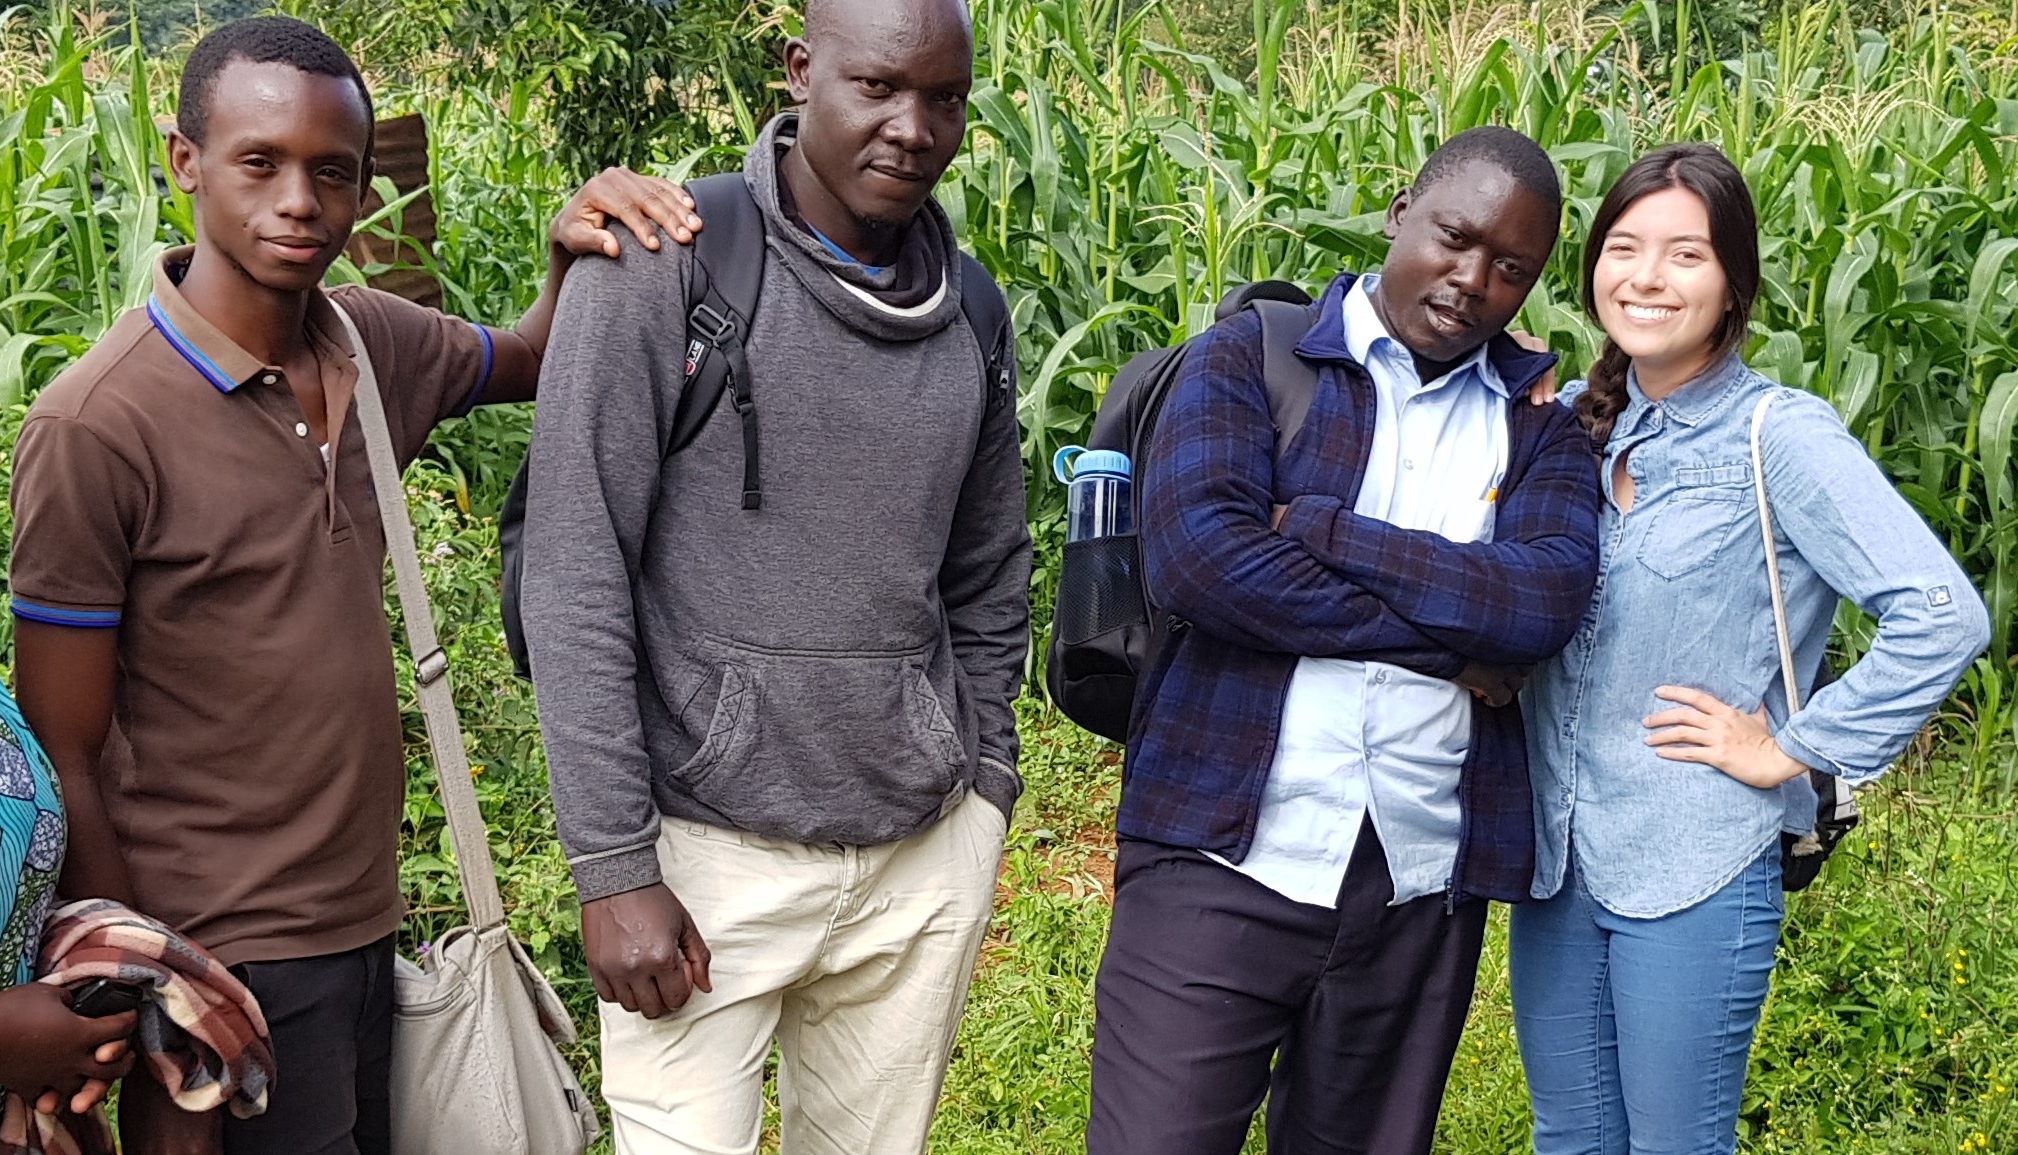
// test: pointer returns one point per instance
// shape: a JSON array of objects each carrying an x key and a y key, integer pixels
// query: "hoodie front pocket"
[
  {"x": 857, "y": 748},
  {"x": 727, "y": 735},
  {"x": 928, "y": 718}
]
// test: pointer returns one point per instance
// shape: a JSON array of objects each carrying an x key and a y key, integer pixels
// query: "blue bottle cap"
[{"x": 1075, "y": 460}]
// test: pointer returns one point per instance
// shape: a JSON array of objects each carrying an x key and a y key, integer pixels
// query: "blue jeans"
[{"x": 1635, "y": 1031}]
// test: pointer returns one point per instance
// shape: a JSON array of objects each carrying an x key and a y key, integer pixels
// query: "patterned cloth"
[
  {"x": 1333, "y": 584},
  {"x": 31, "y": 843},
  {"x": 201, "y": 1033},
  {"x": 31, "y": 854}
]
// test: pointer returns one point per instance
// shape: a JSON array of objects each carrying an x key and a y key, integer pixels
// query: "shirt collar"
[
  {"x": 1366, "y": 337},
  {"x": 841, "y": 254},
  {"x": 221, "y": 361},
  {"x": 1514, "y": 370},
  {"x": 1694, "y": 402}
]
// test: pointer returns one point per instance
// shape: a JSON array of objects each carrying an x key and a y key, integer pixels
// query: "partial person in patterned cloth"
[
  {"x": 55, "y": 1063},
  {"x": 199, "y": 1030}
]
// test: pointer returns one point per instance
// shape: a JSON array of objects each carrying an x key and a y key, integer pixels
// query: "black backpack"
[
  {"x": 727, "y": 275},
  {"x": 1105, "y": 629}
]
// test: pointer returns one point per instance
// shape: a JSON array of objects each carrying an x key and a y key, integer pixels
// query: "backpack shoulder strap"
[
  {"x": 728, "y": 272},
  {"x": 1291, "y": 380},
  {"x": 988, "y": 315}
]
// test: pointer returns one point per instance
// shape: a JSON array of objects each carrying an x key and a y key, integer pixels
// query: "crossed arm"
[{"x": 1330, "y": 583}]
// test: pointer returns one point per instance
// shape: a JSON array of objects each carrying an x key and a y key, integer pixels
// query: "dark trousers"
[
  {"x": 1209, "y": 976},
  {"x": 331, "y": 1020}
]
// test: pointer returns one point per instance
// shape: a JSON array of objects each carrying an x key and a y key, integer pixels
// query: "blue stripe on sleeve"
[
  {"x": 51, "y": 615},
  {"x": 483, "y": 378}
]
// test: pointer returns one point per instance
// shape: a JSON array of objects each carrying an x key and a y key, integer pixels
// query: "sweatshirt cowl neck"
[{"x": 913, "y": 298}]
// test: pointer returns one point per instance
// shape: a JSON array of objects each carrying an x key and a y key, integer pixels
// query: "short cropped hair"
[
  {"x": 259, "y": 40},
  {"x": 1503, "y": 148}
]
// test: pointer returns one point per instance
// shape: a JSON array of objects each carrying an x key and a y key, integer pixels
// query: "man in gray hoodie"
[{"x": 781, "y": 739}]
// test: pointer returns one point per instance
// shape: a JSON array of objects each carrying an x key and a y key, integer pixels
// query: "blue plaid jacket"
[{"x": 1247, "y": 600}]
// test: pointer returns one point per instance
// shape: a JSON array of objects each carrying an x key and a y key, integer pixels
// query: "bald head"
[{"x": 838, "y": 17}]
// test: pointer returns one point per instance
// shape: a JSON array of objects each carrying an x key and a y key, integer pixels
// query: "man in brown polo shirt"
[{"x": 197, "y": 566}]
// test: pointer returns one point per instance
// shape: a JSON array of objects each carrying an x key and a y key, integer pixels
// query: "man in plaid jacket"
[{"x": 1327, "y": 778}]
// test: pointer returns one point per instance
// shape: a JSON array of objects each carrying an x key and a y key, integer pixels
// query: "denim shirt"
[{"x": 1682, "y": 599}]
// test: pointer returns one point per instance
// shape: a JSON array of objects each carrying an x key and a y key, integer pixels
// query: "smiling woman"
[{"x": 1667, "y": 755}]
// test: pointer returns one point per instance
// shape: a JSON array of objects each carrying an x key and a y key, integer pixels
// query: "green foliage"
[
  {"x": 1117, "y": 185},
  {"x": 1890, "y": 1028},
  {"x": 617, "y": 79},
  {"x": 162, "y": 23}
]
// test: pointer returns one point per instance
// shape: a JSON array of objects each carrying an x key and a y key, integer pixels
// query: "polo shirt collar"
[
  {"x": 1516, "y": 368},
  {"x": 221, "y": 361}
]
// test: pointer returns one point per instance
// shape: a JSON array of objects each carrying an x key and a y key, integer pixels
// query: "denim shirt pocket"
[{"x": 1697, "y": 519}]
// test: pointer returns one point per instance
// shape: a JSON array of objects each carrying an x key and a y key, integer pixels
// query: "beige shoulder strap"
[
  {"x": 430, "y": 664},
  {"x": 1793, "y": 686}
]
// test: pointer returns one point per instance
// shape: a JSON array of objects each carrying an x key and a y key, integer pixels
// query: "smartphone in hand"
[{"x": 102, "y": 998}]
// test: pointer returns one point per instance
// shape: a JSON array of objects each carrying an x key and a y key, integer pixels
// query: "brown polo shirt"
[{"x": 167, "y": 486}]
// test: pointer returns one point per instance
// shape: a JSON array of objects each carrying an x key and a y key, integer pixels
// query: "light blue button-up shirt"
[
  {"x": 1682, "y": 599},
  {"x": 1360, "y": 737}
]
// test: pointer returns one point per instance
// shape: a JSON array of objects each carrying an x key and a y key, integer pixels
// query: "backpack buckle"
[{"x": 713, "y": 326}]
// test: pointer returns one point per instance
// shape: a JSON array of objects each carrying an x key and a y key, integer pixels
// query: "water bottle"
[{"x": 1100, "y": 498}]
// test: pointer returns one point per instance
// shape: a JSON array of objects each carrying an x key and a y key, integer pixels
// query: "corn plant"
[
  {"x": 82, "y": 216},
  {"x": 1118, "y": 182}
]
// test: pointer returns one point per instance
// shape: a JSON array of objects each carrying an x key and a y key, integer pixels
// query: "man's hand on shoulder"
[
  {"x": 645, "y": 204},
  {"x": 645, "y": 953},
  {"x": 1542, "y": 392}
]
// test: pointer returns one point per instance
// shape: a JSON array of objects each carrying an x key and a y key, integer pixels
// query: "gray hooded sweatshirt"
[{"x": 836, "y": 666}]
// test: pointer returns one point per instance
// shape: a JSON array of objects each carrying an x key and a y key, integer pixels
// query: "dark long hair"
[{"x": 1734, "y": 237}]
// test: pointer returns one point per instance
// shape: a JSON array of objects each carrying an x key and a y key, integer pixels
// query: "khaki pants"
[{"x": 856, "y": 959}]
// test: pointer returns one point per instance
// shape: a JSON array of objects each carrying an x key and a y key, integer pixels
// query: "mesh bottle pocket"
[{"x": 1099, "y": 589}]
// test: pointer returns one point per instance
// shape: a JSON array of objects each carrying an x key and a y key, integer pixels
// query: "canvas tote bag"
[{"x": 474, "y": 1066}]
